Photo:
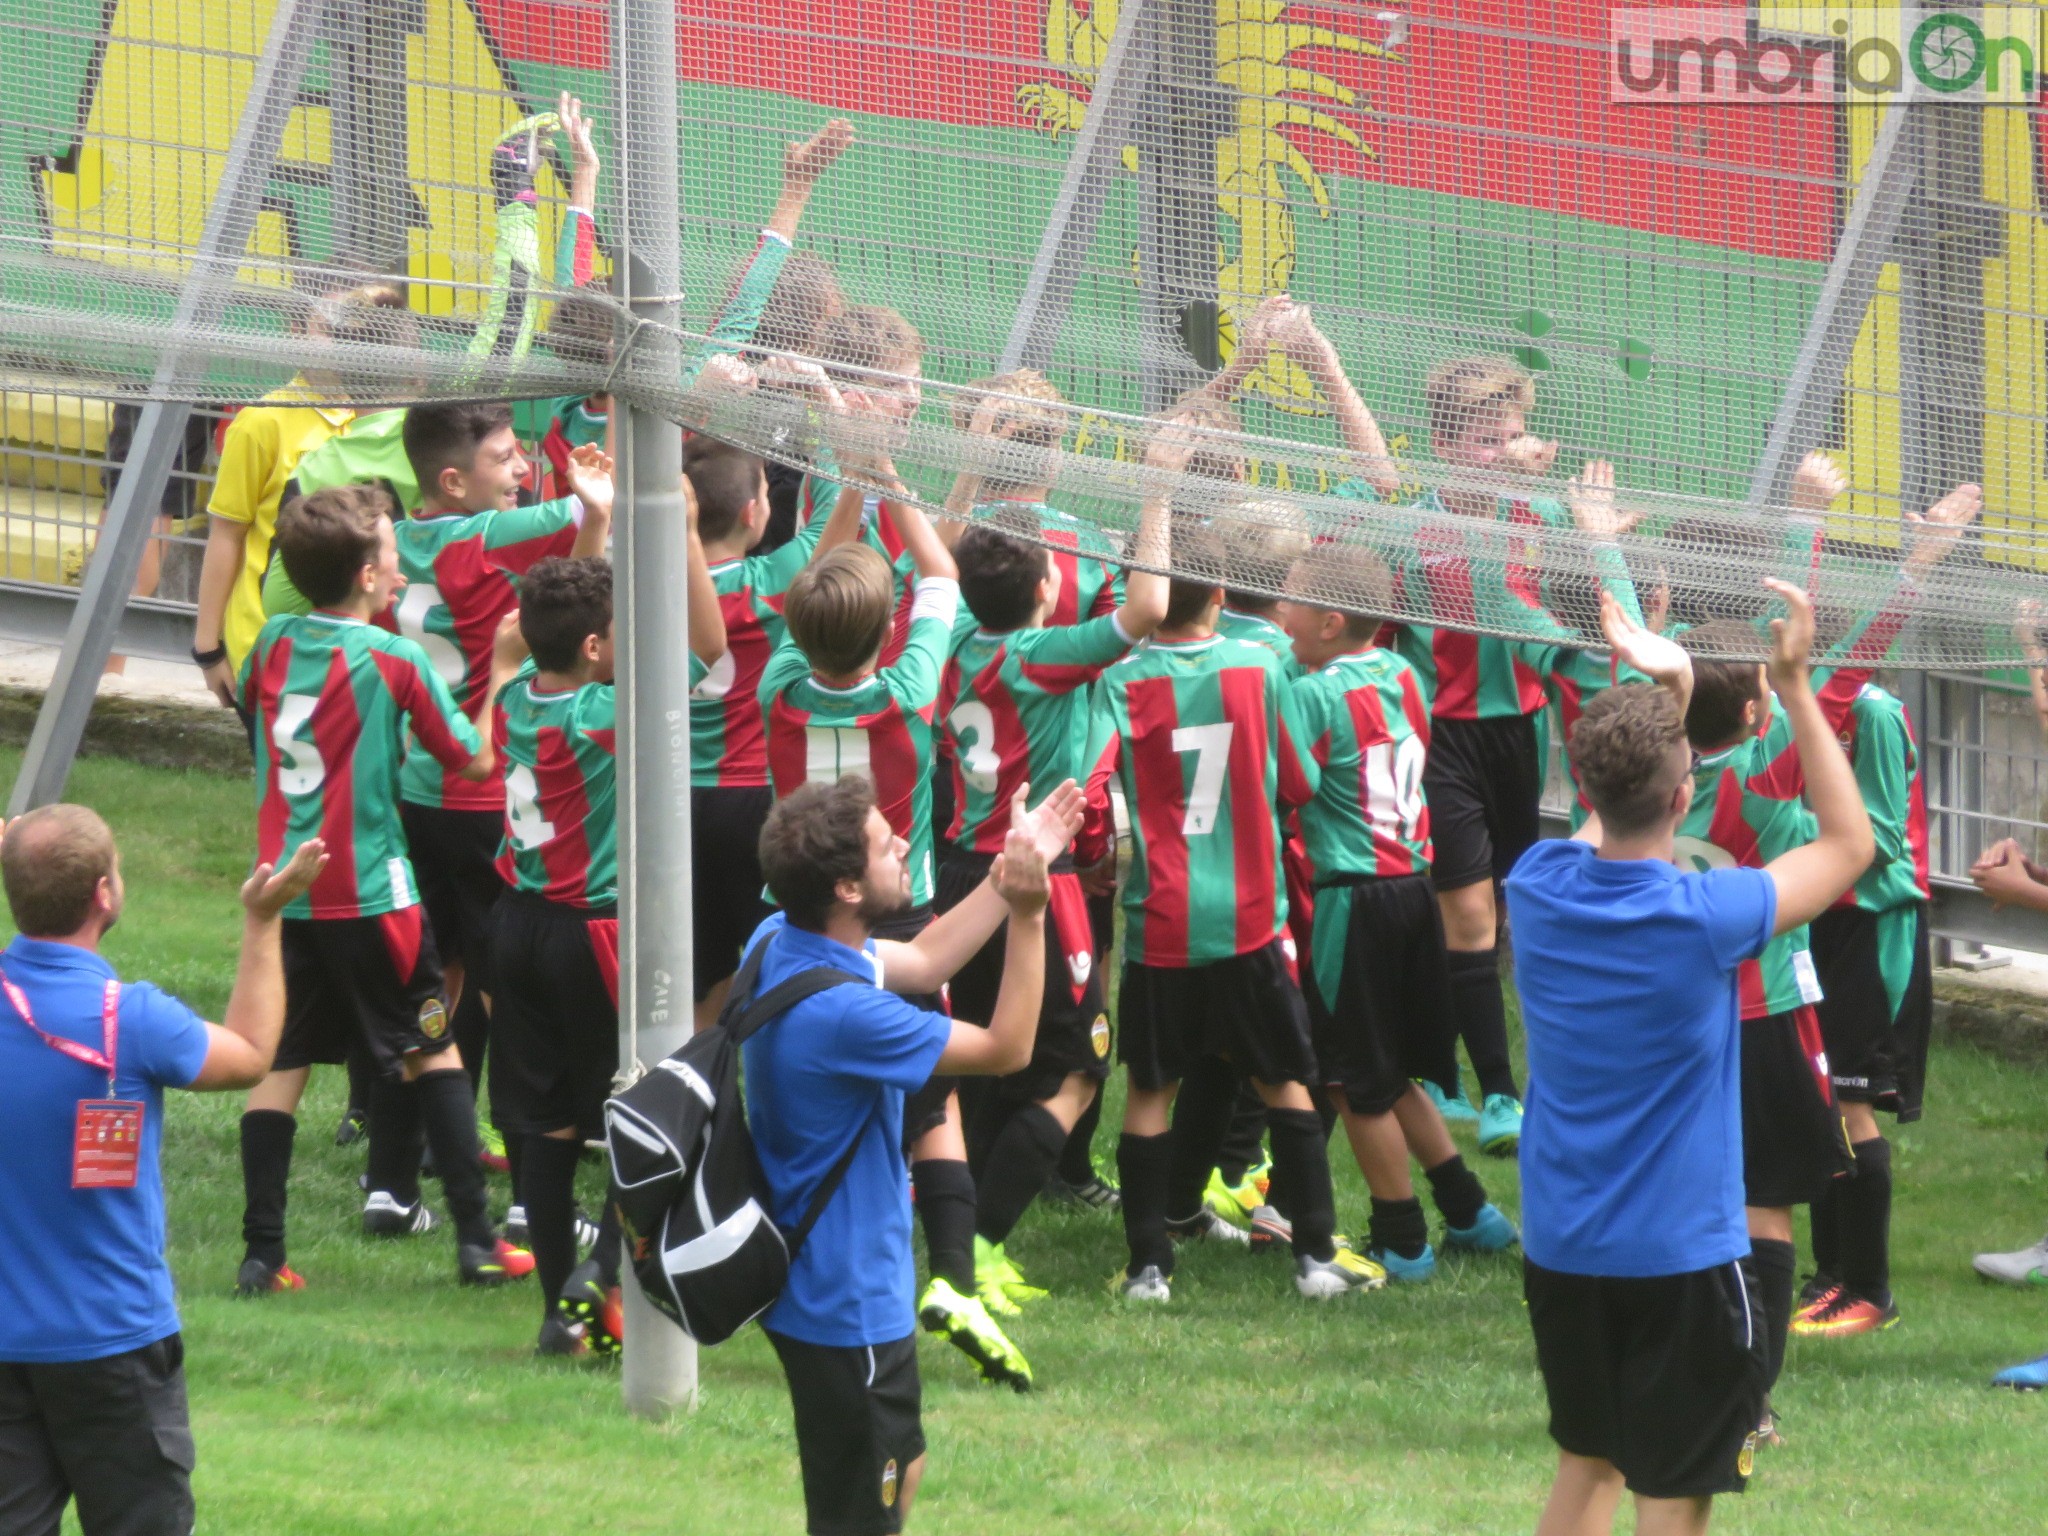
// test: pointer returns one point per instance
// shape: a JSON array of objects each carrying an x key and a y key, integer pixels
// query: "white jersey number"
[
  {"x": 522, "y": 809},
  {"x": 1393, "y": 786},
  {"x": 422, "y": 598},
  {"x": 831, "y": 753},
  {"x": 300, "y": 772},
  {"x": 1211, "y": 746},
  {"x": 974, "y": 727}
]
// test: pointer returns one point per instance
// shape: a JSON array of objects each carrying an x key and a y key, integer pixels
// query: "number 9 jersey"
[{"x": 1366, "y": 723}]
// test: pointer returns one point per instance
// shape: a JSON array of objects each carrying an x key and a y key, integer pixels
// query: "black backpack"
[{"x": 693, "y": 1208}]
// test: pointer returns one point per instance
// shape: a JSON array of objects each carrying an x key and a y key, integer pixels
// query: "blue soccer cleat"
[
  {"x": 1500, "y": 1124},
  {"x": 1490, "y": 1232},
  {"x": 1456, "y": 1111},
  {"x": 2030, "y": 1376},
  {"x": 1402, "y": 1271}
]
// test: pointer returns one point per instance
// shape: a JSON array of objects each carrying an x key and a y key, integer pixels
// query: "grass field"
[{"x": 385, "y": 1399}]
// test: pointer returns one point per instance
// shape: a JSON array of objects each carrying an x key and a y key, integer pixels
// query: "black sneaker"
[
  {"x": 354, "y": 1126},
  {"x": 594, "y": 1307},
  {"x": 383, "y": 1216},
  {"x": 1095, "y": 1193},
  {"x": 493, "y": 1265},
  {"x": 561, "y": 1339}
]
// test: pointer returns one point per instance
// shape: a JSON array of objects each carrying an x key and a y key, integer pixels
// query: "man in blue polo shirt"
[
  {"x": 831, "y": 1073},
  {"x": 92, "y": 1385},
  {"x": 1648, "y": 1329}
]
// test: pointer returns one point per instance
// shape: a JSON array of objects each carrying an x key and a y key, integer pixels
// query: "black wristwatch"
[{"x": 212, "y": 658}]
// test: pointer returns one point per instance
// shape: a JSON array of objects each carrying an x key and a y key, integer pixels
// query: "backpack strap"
[
  {"x": 829, "y": 1188},
  {"x": 785, "y": 995}
]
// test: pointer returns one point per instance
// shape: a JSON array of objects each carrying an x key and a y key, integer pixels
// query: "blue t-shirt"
[
  {"x": 1632, "y": 1128},
  {"x": 835, "y": 1066},
  {"x": 83, "y": 1274}
]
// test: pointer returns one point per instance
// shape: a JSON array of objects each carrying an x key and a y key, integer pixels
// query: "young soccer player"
[
  {"x": 331, "y": 693},
  {"x": 1014, "y": 705},
  {"x": 1378, "y": 980},
  {"x": 1205, "y": 742},
  {"x": 1643, "y": 1306}
]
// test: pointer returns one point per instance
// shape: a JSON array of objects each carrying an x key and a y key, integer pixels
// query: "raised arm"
[
  {"x": 931, "y": 557},
  {"x": 1810, "y": 879},
  {"x": 1304, "y": 342},
  {"x": 240, "y": 1048},
  {"x": 508, "y": 654},
  {"x": 1019, "y": 877},
  {"x": 590, "y": 478},
  {"x": 802, "y": 166},
  {"x": 707, "y": 618},
  {"x": 1145, "y": 591}
]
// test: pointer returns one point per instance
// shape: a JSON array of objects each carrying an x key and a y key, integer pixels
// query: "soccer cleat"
[
  {"x": 560, "y": 1338},
  {"x": 1236, "y": 1202},
  {"x": 256, "y": 1278},
  {"x": 595, "y": 1307},
  {"x": 1455, "y": 1111},
  {"x": 353, "y": 1127},
  {"x": 1270, "y": 1230},
  {"x": 1148, "y": 1284},
  {"x": 491, "y": 1149},
  {"x": 1500, "y": 1124},
  {"x": 586, "y": 1233},
  {"x": 1344, "y": 1272},
  {"x": 517, "y": 1233},
  {"x": 1095, "y": 1192},
  {"x": 1405, "y": 1271},
  {"x": 383, "y": 1216},
  {"x": 1845, "y": 1313},
  {"x": 492, "y": 1266},
  {"x": 1490, "y": 1232},
  {"x": 993, "y": 1267},
  {"x": 1206, "y": 1224},
  {"x": 1815, "y": 1294},
  {"x": 2028, "y": 1376},
  {"x": 2025, "y": 1266},
  {"x": 965, "y": 1324}
]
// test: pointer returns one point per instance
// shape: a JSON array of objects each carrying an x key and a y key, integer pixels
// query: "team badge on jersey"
[
  {"x": 1098, "y": 1036},
  {"x": 433, "y": 1019},
  {"x": 889, "y": 1484}
]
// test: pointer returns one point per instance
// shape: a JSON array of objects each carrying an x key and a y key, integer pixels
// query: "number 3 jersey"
[
  {"x": 1366, "y": 723},
  {"x": 458, "y": 571},
  {"x": 1204, "y": 740},
  {"x": 330, "y": 698},
  {"x": 558, "y": 753}
]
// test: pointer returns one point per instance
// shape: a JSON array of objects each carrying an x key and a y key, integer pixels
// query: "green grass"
[{"x": 385, "y": 1399}]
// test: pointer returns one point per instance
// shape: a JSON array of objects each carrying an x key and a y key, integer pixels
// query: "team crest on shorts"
[
  {"x": 889, "y": 1484},
  {"x": 433, "y": 1019},
  {"x": 1745, "y": 1459},
  {"x": 1098, "y": 1036}
]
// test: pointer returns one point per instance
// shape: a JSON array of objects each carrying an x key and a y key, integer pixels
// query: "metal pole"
[
  {"x": 1183, "y": 113},
  {"x": 1113, "y": 104},
  {"x": 660, "y": 1363},
  {"x": 125, "y": 531}
]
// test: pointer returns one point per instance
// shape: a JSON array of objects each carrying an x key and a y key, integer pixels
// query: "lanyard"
[{"x": 110, "y": 1017}]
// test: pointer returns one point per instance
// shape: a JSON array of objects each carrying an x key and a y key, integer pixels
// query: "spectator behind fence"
[{"x": 92, "y": 1385}]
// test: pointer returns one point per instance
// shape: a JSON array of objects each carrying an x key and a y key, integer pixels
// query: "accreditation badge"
[{"x": 107, "y": 1151}]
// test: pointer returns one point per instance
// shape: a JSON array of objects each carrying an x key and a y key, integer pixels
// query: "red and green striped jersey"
[
  {"x": 459, "y": 570},
  {"x": 1014, "y": 710},
  {"x": 330, "y": 698},
  {"x": 1572, "y": 680},
  {"x": 728, "y": 744},
  {"x": 1203, "y": 738},
  {"x": 1744, "y": 815},
  {"x": 558, "y": 754},
  {"x": 1366, "y": 724},
  {"x": 1258, "y": 629},
  {"x": 1876, "y": 732},
  {"x": 1090, "y": 583},
  {"x": 880, "y": 727}
]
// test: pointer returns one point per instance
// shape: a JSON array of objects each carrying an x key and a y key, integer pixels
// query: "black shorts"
[
  {"x": 924, "y": 1109},
  {"x": 1484, "y": 780},
  {"x": 374, "y": 979},
  {"x": 455, "y": 859},
  {"x": 858, "y": 1429},
  {"x": 725, "y": 876},
  {"x": 555, "y": 1021},
  {"x": 1073, "y": 1034},
  {"x": 114, "y": 1433},
  {"x": 1877, "y": 1052},
  {"x": 1246, "y": 1009},
  {"x": 1391, "y": 1019},
  {"x": 1793, "y": 1142},
  {"x": 1662, "y": 1375}
]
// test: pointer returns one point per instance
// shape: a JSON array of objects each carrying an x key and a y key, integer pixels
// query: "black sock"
[
  {"x": 448, "y": 1110},
  {"x": 266, "y": 1169},
  {"x": 1398, "y": 1226},
  {"x": 945, "y": 1207},
  {"x": 1827, "y": 1233},
  {"x": 515, "y": 1153},
  {"x": 1483, "y": 1018},
  {"x": 1202, "y": 1112},
  {"x": 471, "y": 1028},
  {"x": 1301, "y": 1156},
  {"x": 550, "y": 1201},
  {"x": 1023, "y": 1154},
  {"x": 1865, "y": 1202},
  {"x": 1077, "y": 1157},
  {"x": 1774, "y": 1262},
  {"x": 1244, "y": 1138},
  {"x": 362, "y": 1073},
  {"x": 1277, "y": 1193},
  {"x": 605, "y": 1255},
  {"x": 1141, "y": 1168},
  {"x": 1456, "y": 1190},
  {"x": 394, "y": 1129}
]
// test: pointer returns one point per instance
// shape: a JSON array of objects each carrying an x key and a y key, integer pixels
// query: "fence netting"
[{"x": 1401, "y": 273}]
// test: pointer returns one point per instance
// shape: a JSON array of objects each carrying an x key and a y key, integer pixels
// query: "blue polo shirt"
[
  {"x": 834, "y": 1067},
  {"x": 1632, "y": 1128},
  {"x": 82, "y": 1271}
]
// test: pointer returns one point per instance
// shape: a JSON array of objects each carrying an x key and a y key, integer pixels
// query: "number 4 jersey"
[
  {"x": 1204, "y": 740},
  {"x": 1366, "y": 723},
  {"x": 330, "y": 699},
  {"x": 558, "y": 752}
]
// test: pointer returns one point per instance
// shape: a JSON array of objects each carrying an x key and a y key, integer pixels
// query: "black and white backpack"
[{"x": 693, "y": 1208}]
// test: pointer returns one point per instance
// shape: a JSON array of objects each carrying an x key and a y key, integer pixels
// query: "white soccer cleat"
[{"x": 2026, "y": 1266}]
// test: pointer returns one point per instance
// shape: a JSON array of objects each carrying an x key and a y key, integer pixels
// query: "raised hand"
[
  {"x": 268, "y": 891},
  {"x": 1791, "y": 636},
  {"x": 508, "y": 645},
  {"x": 1019, "y": 875},
  {"x": 1054, "y": 825},
  {"x": 1527, "y": 455},
  {"x": 1930, "y": 536},
  {"x": 725, "y": 371},
  {"x": 1663, "y": 661},
  {"x": 589, "y": 473},
  {"x": 1817, "y": 482},
  {"x": 582, "y": 145},
  {"x": 1590, "y": 495},
  {"x": 803, "y": 164},
  {"x": 1170, "y": 447}
]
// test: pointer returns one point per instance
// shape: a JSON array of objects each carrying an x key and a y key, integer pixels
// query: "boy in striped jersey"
[
  {"x": 555, "y": 933},
  {"x": 330, "y": 694},
  {"x": 1014, "y": 704},
  {"x": 1378, "y": 980},
  {"x": 1205, "y": 742}
]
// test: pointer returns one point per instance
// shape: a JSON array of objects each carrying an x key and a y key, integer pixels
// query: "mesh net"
[{"x": 1698, "y": 291}]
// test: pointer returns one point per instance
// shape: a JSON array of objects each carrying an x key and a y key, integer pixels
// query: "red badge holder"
[{"x": 106, "y": 1148}]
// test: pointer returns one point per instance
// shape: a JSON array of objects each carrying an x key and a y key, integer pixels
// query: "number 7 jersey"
[{"x": 1204, "y": 739}]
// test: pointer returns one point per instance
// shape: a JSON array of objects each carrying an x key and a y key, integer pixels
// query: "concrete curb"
[
  {"x": 2004, "y": 1012},
  {"x": 142, "y": 730}
]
